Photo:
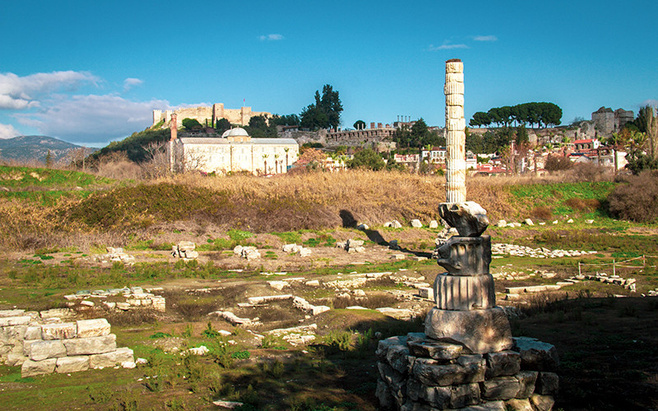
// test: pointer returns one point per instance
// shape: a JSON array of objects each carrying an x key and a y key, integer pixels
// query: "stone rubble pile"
[
  {"x": 297, "y": 249},
  {"x": 131, "y": 298},
  {"x": 247, "y": 252},
  {"x": 115, "y": 255},
  {"x": 46, "y": 345},
  {"x": 297, "y": 302},
  {"x": 184, "y": 250},
  {"x": 627, "y": 283},
  {"x": 522, "y": 275},
  {"x": 352, "y": 246},
  {"x": 300, "y": 335},
  {"x": 418, "y": 373},
  {"x": 523, "y": 251}
]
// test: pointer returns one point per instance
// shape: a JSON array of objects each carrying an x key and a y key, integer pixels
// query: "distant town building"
[
  {"x": 208, "y": 115},
  {"x": 235, "y": 151},
  {"x": 589, "y": 144},
  {"x": 368, "y": 136},
  {"x": 607, "y": 121}
]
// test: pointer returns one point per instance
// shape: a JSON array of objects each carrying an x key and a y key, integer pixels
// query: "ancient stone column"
[{"x": 455, "y": 135}]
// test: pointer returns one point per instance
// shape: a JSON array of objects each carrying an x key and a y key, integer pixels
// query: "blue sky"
[{"x": 90, "y": 72}]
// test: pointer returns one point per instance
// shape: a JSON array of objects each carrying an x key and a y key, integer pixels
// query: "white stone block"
[
  {"x": 77, "y": 363},
  {"x": 31, "y": 368},
  {"x": 10, "y": 321},
  {"x": 41, "y": 350},
  {"x": 455, "y": 77},
  {"x": 456, "y": 124},
  {"x": 455, "y": 112},
  {"x": 91, "y": 345},
  {"x": 454, "y": 67},
  {"x": 111, "y": 359},
  {"x": 93, "y": 328},
  {"x": 61, "y": 331},
  {"x": 455, "y": 100}
]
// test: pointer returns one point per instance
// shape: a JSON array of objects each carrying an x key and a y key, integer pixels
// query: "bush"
[
  {"x": 556, "y": 163},
  {"x": 637, "y": 200},
  {"x": 542, "y": 213}
]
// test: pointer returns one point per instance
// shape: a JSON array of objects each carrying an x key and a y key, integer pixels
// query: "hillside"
[{"x": 34, "y": 148}]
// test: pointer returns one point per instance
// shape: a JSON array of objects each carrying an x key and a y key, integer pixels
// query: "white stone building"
[{"x": 234, "y": 152}]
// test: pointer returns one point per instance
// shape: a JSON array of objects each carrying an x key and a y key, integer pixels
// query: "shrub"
[
  {"x": 580, "y": 204},
  {"x": 556, "y": 163},
  {"x": 637, "y": 200},
  {"x": 542, "y": 213}
]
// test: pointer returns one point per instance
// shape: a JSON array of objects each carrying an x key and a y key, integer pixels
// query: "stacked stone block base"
[
  {"x": 43, "y": 346},
  {"x": 419, "y": 373}
]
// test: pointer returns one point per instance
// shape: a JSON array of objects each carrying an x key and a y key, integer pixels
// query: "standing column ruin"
[{"x": 455, "y": 134}]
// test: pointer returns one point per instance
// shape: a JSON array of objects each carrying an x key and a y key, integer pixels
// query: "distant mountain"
[{"x": 34, "y": 148}]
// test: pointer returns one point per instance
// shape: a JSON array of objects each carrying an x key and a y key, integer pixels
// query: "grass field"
[{"x": 607, "y": 344}]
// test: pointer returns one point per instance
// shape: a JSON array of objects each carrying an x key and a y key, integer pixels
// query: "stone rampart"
[{"x": 41, "y": 344}]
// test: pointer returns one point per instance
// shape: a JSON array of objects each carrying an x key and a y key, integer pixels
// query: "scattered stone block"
[
  {"x": 11, "y": 321},
  {"x": 91, "y": 345},
  {"x": 41, "y": 350},
  {"x": 536, "y": 355},
  {"x": 416, "y": 223},
  {"x": 93, "y": 328},
  {"x": 434, "y": 224},
  {"x": 66, "y": 365},
  {"x": 517, "y": 404},
  {"x": 31, "y": 368},
  {"x": 500, "y": 388},
  {"x": 111, "y": 359},
  {"x": 58, "y": 331}
]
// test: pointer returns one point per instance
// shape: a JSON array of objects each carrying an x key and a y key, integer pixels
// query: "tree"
[
  {"x": 325, "y": 112},
  {"x": 368, "y": 159},
  {"x": 647, "y": 123},
  {"x": 360, "y": 125},
  {"x": 480, "y": 119},
  {"x": 192, "y": 124},
  {"x": 259, "y": 127},
  {"x": 285, "y": 120},
  {"x": 222, "y": 125},
  {"x": 49, "y": 159}
]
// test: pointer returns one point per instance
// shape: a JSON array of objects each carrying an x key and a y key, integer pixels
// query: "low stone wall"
[
  {"x": 121, "y": 299},
  {"x": 418, "y": 373},
  {"x": 46, "y": 345}
]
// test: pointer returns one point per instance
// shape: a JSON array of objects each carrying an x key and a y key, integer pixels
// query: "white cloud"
[
  {"x": 649, "y": 102},
  {"x": 92, "y": 118},
  {"x": 131, "y": 82},
  {"x": 271, "y": 37},
  {"x": 8, "y": 131},
  {"x": 18, "y": 93},
  {"x": 485, "y": 38},
  {"x": 447, "y": 46}
]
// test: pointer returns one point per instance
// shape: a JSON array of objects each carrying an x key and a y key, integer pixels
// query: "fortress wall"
[{"x": 239, "y": 116}]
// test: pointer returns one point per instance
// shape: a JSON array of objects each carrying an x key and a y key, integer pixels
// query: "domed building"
[{"x": 235, "y": 151}]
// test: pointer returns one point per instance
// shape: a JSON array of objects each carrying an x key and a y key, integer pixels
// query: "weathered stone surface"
[
  {"x": 91, "y": 345},
  {"x": 394, "y": 380},
  {"x": 466, "y": 255},
  {"x": 32, "y": 333},
  {"x": 93, "y": 328},
  {"x": 416, "y": 223},
  {"x": 59, "y": 331},
  {"x": 41, "y": 350},
  {"x": 397, "y": 357},
  {"x": 481, "y": 331},
  {"x": 469, "y": 218},
  {"x": 15, "y": 359},
  {"x": 66, "y": 365},
  {"x": 9, "y": 321},
  {"x": 438, "y": 397},
  {"x": 519, "y": 404},
  {"x": 383, "y": 394},
  {"x": 432, "y": 373},
  {"x": 486, "y": 406},
  {"x": 542, "y": 402},
  {"x": 111, "y": 359},
  {"x": 500, "y": 388},
  {"x": 527, "y": 379},
  {"x": 463, "y": 395},
  {"x": 437, "y": 350},
  {"x": 503, "y": 363},
  {"x": 11, "y": 313},
  {"x": 548, "y": 383},
  {"x": 31, "y": 368},
  {"x": 458, "y": 292},
  {"x": 536, "y": 355}
]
